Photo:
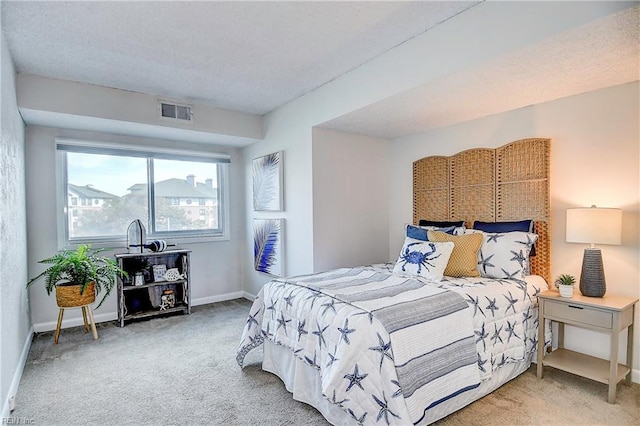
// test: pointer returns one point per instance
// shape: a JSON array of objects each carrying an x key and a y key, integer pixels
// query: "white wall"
[
  {"x": 595, "y": 159},
  {"x": 215, "y": 266},
  {"x": 307, "y": 242},
  {"x": 350, "y": 199},
  {"x": 497, "y": 29},
  {"x": 289, "y": 132},
  {"x": 15, "y": 328}
]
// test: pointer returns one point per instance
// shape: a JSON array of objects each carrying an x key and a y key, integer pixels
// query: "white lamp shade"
[{"x": 594, "y": 225}]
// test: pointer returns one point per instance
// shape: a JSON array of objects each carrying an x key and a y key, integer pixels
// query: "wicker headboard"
[{"x": 504, "y": 184}]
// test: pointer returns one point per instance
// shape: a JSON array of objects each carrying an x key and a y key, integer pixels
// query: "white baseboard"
[
  {"x": 249, "y": 296},
  {"x": 217, "y": 298},
  {"x": 17, "y": 375},
  {"x": 112, "y": 316},
  {"x": 74, "y": 322}
]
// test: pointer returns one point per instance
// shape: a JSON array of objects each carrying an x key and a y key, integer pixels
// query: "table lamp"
[{"x": 593, "y": 225}]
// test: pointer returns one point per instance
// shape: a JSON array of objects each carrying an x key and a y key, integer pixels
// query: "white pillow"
[
  {"x": 505, "y": 254},
  {"x": 423, "y": 258}
]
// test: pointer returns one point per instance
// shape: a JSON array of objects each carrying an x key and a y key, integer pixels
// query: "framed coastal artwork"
[
  {"x": 268, "y": 246},
  {"x": 158, "y": 272},
  {"x": 268, "y": 182}
]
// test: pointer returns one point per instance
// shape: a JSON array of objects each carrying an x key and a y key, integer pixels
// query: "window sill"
[{"x": 121, "y": 243}]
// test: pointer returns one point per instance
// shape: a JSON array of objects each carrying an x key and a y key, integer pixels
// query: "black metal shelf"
[
  {"x": 127, "y": 287},
  {"x": 142, "y": 301}
]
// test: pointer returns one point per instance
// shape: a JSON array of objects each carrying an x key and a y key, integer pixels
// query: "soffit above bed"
[{"x": 601, "y": 54}]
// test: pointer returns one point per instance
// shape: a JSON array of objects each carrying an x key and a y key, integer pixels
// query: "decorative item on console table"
[
  {"x": 593, "y": 226},
  {"x": 136, "y": 236},
  {"x": 139, "y": 273},
  {"x": 565, "y": 284},
  {"x": 78, "y": 276},
  {"x": 158, "y": 272},
  {"x": 168, "y": 299}
]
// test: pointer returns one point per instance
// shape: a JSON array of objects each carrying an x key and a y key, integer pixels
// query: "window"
[
  {"x": 141, "y": 184},
  {"x": 202, "y": 201}
]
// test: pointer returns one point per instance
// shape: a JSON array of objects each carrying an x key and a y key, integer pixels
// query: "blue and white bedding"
[{"x": 390, "y": 348}]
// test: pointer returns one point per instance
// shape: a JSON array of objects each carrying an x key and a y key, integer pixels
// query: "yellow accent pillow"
[{"x": 464, "y": 258}]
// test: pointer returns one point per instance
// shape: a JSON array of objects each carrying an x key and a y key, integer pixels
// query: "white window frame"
[{"x": 178, "y": 237}]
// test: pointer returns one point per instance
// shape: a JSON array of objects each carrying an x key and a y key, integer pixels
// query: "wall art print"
[
  {"x": 268, "y": 246},
  {"x": 268, "y": 182}
]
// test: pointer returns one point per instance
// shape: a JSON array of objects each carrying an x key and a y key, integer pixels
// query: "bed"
[{"x": 412, "y": 341}]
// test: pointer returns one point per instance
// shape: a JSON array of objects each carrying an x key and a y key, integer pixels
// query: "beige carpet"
[{"x": 181, "y": 370}]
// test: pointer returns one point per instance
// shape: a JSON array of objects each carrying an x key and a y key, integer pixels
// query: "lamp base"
[{"x": 592, "y": 282}]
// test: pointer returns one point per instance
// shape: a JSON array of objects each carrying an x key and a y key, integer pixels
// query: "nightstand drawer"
[{"x": 578, "y": 313}]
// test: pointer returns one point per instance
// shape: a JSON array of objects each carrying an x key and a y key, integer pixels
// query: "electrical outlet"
[{"x": 12, "y": 403}]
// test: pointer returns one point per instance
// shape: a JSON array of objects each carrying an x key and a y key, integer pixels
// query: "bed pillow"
[
  {"x": 453, "y": 230},
  {"x": 464, "y": 257},
  {"x": 520, "y": 225},
  {"x": 505, "y": 255},
  {"x": 420, "y": 233},
  {"x": 424, "y": 259},
  {"x": 440, "y": 224}
]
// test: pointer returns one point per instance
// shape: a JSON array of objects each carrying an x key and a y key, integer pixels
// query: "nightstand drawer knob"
[{"x": 576, "y": 307}]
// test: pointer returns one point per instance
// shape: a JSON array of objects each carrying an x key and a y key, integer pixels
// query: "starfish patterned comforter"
[{"x": 390, "y": 348}]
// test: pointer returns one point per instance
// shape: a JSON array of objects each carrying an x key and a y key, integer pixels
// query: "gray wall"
[
  {"x": 15, "y": 335},
  {"x": 350, "y": 199},
  {"x": 215, "y": 265}
]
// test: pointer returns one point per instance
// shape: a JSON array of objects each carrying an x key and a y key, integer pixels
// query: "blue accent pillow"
[
  {"x": 418, "y": 233},
  {"x": 501, "y": 227},
  {"x": 498, "y": 227},
  {"x": 439, "y": 224}
]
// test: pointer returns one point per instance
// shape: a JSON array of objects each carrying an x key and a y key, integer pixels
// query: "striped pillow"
[{"x": 464, "y": 258}]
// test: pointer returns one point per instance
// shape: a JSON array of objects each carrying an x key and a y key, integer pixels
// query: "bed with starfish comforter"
[{"x": 393, "y": 349}]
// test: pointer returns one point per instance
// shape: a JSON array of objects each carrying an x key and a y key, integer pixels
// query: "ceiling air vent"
[{"x": 176, "y": 112}]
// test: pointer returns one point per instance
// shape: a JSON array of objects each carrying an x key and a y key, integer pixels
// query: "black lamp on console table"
[{"x": 593, "y": 225}]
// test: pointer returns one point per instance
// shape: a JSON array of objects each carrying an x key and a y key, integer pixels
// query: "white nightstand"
[{"x": 610, "y": 314}]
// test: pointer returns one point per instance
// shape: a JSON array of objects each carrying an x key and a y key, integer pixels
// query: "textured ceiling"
[
  {"x": 257, "y": 56},
  {"x": 246, "y": 56}
]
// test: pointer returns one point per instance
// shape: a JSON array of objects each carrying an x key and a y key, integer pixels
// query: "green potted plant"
[
  {"x": 79, "y": 275},
  {"x": 565, "y": 284}
]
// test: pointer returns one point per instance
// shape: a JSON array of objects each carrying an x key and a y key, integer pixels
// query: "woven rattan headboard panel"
[{"x": 503, "y": 184}]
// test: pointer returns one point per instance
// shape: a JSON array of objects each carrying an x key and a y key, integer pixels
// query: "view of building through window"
[{"x": 106, "y": 192}]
